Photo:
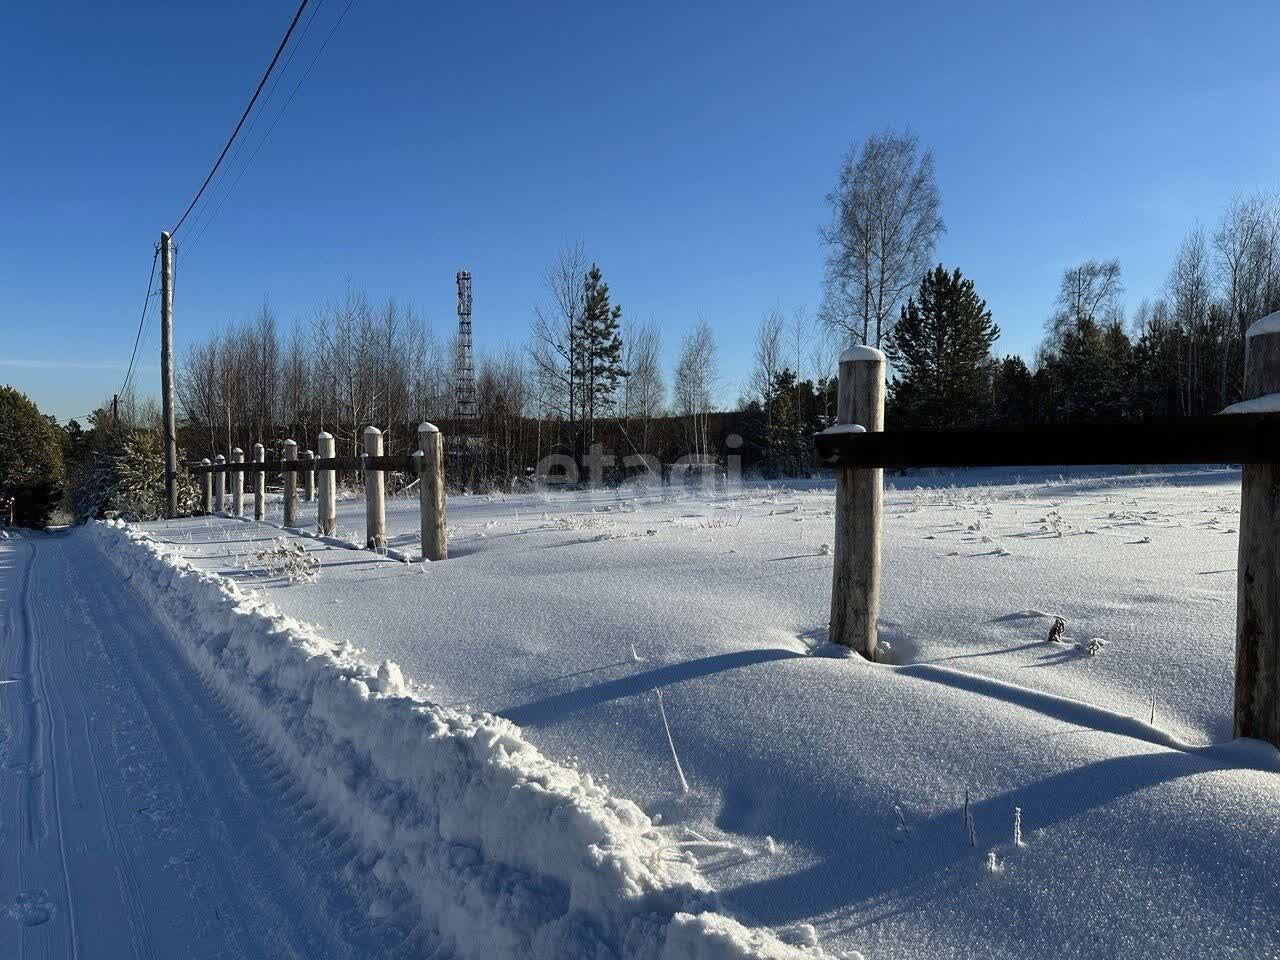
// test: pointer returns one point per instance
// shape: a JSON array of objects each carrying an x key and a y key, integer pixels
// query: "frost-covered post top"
[
  {"x": 219, "y": 459},
  {"x": 861, "y": 373},
  {"x": 324, "y": 435},
  {"x": 236, "y": 452},
  {"x": 861, "y": 352},
  {"x": 1262, "y": 358},
  {"x": 372, "y": 431},
  {"x": 425, "y": 427},
  {"x": 1268, "y": 324}
]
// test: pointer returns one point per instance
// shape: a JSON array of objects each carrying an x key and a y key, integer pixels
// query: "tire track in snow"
[
  {"x": 283, "y": 907},
  {"x": 136, "y": 819},
  {"x": 51, "y": 806}
]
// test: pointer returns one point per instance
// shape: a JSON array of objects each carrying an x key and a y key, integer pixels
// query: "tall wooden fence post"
[
  {"x": 431, "y": 490},
  {"x": 206, "y": 489},
  {"x": 237, "y": 483},
  {"x": 375, "y": 518},
  {"x": 259, "y": 483},
  {"x": 219, "y": 486},
  {"x": 328, "y": 519},
  {"x": 290, "y": 485},
  {"x": 1257, "y": 700},
  {"x": 310, "y": 487},
  {"x": 855, "y": 583}
]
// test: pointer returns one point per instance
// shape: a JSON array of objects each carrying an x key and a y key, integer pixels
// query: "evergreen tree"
[
  {"x": 941, "y": 352},
  {"x": 598, "y": 356},
  {"x": 1013, "y": 393},
  {"x": 31, "y": 468}
]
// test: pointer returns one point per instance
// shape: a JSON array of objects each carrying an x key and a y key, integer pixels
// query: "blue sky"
[{"x": 688, "y": 146}]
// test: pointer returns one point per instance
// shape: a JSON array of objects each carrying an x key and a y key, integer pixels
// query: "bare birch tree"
[
  {"x": 885, "y": 223},
  {"x": 694, "y": 382}
]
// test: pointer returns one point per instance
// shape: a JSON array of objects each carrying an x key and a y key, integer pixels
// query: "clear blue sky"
[{"x": 689, "y": 147}]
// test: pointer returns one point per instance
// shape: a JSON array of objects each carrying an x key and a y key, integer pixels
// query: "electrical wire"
[
  {"x": 238, "y": 150},
  {"x": 306, "y": 73},
  {"x": 146, "y": 302},
  {"x": 240, "y": 123}
]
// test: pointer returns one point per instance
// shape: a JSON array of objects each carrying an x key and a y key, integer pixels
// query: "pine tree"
[
  {"x": 30, "y": 459},
  {"x": 598, "y": 357},
  {"x": 941, "y": 352}
]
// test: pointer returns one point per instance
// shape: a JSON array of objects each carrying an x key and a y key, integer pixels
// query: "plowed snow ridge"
[{"x": 501, "y": 851}]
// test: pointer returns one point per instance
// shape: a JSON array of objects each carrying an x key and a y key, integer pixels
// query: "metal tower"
[{"x": 464, "y": 399}]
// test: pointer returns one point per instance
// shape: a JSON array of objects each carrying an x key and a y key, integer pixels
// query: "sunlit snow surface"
[{"x": 829, "y": 792}]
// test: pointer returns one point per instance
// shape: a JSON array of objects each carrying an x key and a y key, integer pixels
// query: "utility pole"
[
  {"x": 166, "y": 376},
  {"x": 115, "y": 408}
]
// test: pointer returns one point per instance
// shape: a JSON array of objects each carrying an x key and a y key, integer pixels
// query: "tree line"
[{"x": 593, "y": 376}]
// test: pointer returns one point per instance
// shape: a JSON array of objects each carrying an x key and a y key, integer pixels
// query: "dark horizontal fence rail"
[
  {"x": 304, "y": 464},
  {"x": 1233, "y": 438}
]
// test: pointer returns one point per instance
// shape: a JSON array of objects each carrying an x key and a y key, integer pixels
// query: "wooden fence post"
[
  {"x": 206, "y": 490},
  {"x": 259, "y": 483},
  {"x": 1257, "y": 699},
  {"x": 310, "y": 475},
  {"x": 290, "y": 485},
  {"x": 328, "y": 493},
  {"x": 375, "y": 518},
  {"x": 431, "y": 490},
  {"x": 855, "y": 582},
  {"x": 219, "y": 486},
  {"x": 237, "y": 484}
]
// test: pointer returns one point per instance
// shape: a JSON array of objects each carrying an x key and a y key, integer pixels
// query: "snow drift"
[{"x": 504, "y": 852}]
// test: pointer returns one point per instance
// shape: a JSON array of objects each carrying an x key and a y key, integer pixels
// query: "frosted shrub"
[
  {"x": 290, "y": 561},
  {"x": 1093, "y": 646},
  {"x": 1056, "y": 631}
]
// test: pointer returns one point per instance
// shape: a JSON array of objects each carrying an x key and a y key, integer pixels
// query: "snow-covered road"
[{"x": 137, "y": 818}]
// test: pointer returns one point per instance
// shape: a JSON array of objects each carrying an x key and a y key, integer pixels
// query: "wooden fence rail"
[
  {"x": 1240, "y": 438},
  {"x": 427, "y": 464},
  {"x": 404, "y": 464},
  {"x": 1249, "y": 435}
]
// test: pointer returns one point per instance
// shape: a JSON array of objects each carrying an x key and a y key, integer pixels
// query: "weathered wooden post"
[
  {"x": 259, "y": 483},
  {"x": 206, "y": 489},
  {"x": 310, "y": 475},
  {"x": 237, "y": 483},
  {"x": 1257, "y": 702},
  {"x": 290, "y": 484},
  {"x": 219, "y": 485},
  {"x": 328, "y": 511},
  {"x": 375, "y": 519},
  {"x": 855, "y": 582},
  {"x": 431, "y": 490}
]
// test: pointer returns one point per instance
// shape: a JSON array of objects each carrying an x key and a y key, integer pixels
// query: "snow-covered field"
[{"x": 826, "y": 797}]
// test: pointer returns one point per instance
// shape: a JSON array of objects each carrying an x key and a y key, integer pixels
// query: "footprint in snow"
[{"x": 32, "y": 908}]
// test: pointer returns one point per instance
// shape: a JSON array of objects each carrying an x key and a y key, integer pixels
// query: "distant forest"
[{"x": 591, "y": 375}]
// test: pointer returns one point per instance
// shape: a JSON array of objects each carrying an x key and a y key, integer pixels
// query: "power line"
[
  {"x": 306, "y": 73},
  {"x": 240, "y": 123},
  {"x": 141, "y": 320},
  {"x": 238, "y": 150}
]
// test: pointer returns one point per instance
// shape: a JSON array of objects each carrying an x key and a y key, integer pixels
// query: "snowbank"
[{"x": 506, "y": 853}]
